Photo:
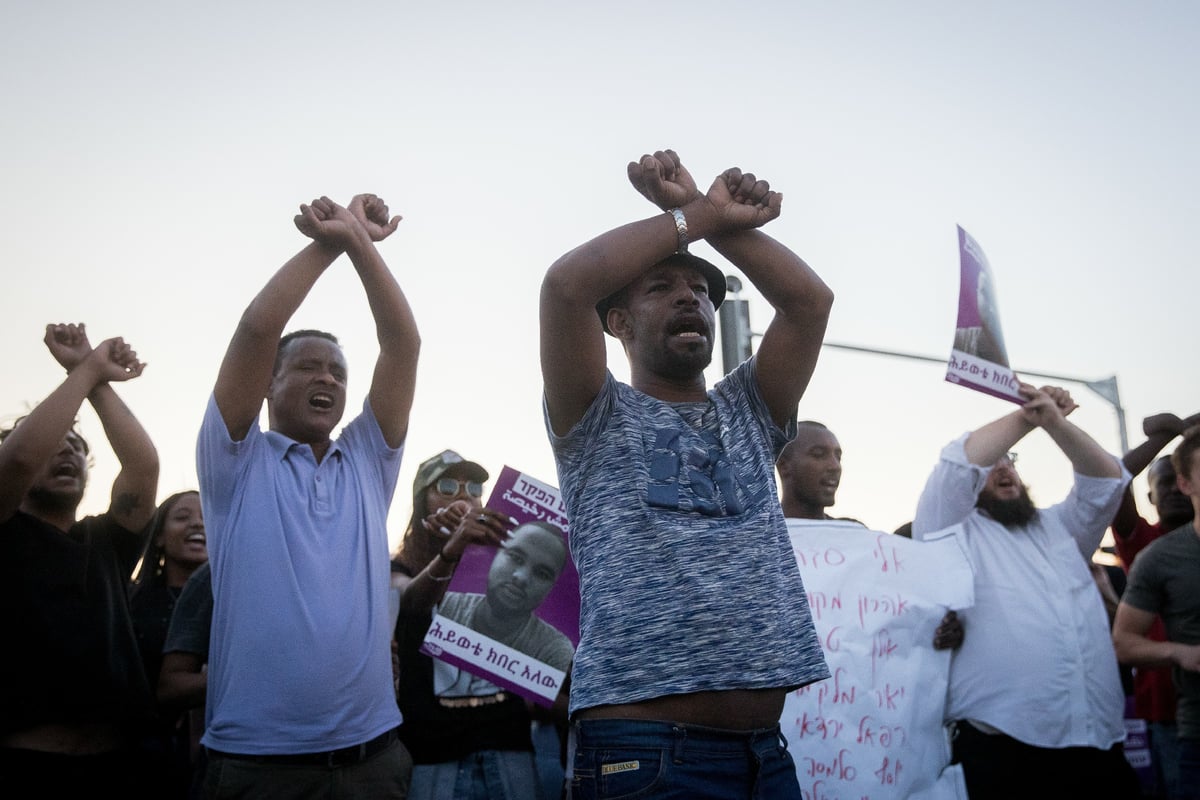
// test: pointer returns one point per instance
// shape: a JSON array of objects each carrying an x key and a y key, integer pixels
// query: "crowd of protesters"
[{"x": 241, "y": 638}]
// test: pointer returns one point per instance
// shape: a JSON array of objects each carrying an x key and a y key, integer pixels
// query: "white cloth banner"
[{"x": 874, "y": 730}]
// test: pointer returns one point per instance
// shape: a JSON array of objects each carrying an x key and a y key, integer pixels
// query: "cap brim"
[
  {"x": 470, "y": 469},
  {"x": 428, "y": 474}
]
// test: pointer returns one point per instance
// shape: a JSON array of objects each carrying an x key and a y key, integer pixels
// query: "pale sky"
[{"x": 155, "y": 154}]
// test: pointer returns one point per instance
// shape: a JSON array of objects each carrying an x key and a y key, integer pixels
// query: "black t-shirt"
[
  {"x": 151, "y": 606},
  {"x": 70, "y": 651}
]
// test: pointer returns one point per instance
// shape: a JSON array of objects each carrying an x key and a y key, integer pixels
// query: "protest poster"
[
  {"x": 510, "y": 615},
  {"x": 874, "y": 729},
  {"x": 979, "y": 359}
]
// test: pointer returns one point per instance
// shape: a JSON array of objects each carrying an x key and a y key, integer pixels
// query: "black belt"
[{"x": 330, "y": 758}]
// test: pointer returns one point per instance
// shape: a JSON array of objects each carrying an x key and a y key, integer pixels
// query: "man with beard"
[
  {"x": 694, "y": 623},
  {"x": 74, "y": 700},
  {"x": 1035, "y": 697},
  {"x": 300, "y": 694}
]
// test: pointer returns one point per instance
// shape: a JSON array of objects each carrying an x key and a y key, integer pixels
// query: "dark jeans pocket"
[{"x": 618, "y": 774}]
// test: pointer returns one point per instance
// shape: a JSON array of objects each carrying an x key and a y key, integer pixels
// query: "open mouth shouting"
[
  {"x": 322, "y": 401},
  {"x": 1005, "y": 484},
  {"x": 689, "y": 328},
  {"x": 65, "y": 469}
]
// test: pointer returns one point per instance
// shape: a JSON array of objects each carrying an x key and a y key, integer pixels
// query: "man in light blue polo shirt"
[{"x": 300, "y": 693}]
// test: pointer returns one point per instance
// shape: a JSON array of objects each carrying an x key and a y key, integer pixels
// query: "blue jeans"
[
  {"x": 1189, "y": 768},
  {"x": 620, "y": 758},
  {"x": 1164, "y": 752}
]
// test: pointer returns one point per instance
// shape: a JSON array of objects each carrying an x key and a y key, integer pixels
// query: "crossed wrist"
[
  {"x": 700, "y": 216},
  {"x": 89, "y": 368}
]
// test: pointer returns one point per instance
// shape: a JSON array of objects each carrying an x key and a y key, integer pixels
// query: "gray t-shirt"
[
  {"x": 1165, "y": 580},
  {"x": 688, "y": 581}
]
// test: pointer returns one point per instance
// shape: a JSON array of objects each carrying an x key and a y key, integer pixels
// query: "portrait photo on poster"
[
  {"x": 979, "y": 358},
  {"x": 510, "y": 616}
]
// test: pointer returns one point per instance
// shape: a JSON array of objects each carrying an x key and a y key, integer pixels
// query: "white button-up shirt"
[{"x": 1037, "y": 661}]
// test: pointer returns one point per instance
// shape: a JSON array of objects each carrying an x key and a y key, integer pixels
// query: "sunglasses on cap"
[{"x": 449, "y": 487}]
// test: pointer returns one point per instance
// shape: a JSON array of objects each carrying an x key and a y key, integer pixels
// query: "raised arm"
[
  {"x": 245, "y": 374},
  {"x": 1046, "y": 408},
  {"x": 395, "y": 376},
  {"x": 1086, "y": 455},
  {"x": 41, "y": 434},
  {"x": 132, "y": 500},
  {"x": 1159, "y": 429},
  {"x": 573, "y": 351},
  {"x": 985, "y": 445},
  {"x": 788, "y": 353}
]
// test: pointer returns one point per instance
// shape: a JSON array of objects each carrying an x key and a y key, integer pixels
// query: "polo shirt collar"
[{"x": 281, "y": 444}]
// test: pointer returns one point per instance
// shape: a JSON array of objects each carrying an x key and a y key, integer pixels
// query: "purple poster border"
[
  {"x": 525, "y": 499},
  {"x": 978, "y": 359}
]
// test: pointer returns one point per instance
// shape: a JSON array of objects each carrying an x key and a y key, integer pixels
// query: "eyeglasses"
[{"x": 448, "y": 487}]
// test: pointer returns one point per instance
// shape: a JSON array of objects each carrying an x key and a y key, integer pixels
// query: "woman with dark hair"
[
  {"x": 440, "y": 481},
  {"x": 462, "y": 748},
  {"x": 175, "y": 548}
]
